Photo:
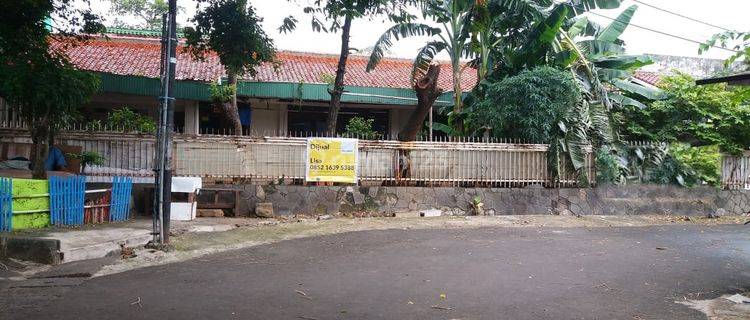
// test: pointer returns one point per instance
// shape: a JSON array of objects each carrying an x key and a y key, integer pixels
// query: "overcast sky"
[{"x": 731, "y": 14}]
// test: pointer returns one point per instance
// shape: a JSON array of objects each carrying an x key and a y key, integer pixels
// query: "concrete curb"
[{"x": 46, "y": 251}]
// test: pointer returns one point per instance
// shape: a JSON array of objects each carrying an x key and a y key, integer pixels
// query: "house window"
[
  {"x": 310, "y": 119},
  {"x": 212, "y": 117}
]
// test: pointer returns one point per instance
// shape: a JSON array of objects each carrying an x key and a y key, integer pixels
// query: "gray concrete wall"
[
  {"x": 696, "y": 67},
  {"x": 606, "y": 200}
]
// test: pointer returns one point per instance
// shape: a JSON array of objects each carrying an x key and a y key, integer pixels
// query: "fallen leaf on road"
[
  {"x": 661, "y": 248},
  {"x": 442, "y": 308},
  {"x": 304, "y": 295}
]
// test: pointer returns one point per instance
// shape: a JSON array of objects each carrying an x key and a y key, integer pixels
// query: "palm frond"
[
  {"x": 397, "y": 32},
  {"x": 424, "y": 58},
  {"x": 581, "y": 6},
  {"x": 639, "y": 90},
  {"x": 615, "y": 29}
]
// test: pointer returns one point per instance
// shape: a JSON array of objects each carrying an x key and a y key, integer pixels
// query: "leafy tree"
[
  {"x": 231, "y": 29},
  {"x": 698, "y": 115},
  {"x": 39, "y": 81},
  {"x": 738, "y": 41},
  {"x": 528, "y": 106},
  {"x": 594, "y": 54},
  {"x": 45, "y": 89},
  {"x": 338, "y": 15},
  {"x": 667, "y": 168},
  {"x": 148, "y": 13}
]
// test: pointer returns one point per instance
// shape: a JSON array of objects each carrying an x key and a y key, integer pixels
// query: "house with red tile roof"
[{"x": 292, "y": 97}]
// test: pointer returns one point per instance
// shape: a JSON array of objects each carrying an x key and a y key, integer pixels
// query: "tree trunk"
[
  {"x": 427, "y": 92},
  {"x": 457, "y": 95},
  {"x": 230, "y": 108},
  {"x": 40, "y": 138},
  {"x": 338, "y": 84}
]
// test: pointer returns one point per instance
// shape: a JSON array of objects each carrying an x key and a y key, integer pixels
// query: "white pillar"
[
  {"x": 282, "y": 117},
  {"x": 192, "y": 118}
]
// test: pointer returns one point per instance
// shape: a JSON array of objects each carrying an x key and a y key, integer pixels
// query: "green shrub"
[
  {"x": 87, "y": 158},
  {"x": 359, "y": 127},
  {"x": 672, "y": 171},
  {"x": 714, "y": 114},
  {"x": 704, "y": 161},
  {"x": 129, "y": 121},
  {"x": 609, "y": 168},
  {"x": 529, "y": 105}
]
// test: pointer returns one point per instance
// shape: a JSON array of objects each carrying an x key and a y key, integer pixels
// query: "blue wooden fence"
[
  {"x": 119, "y": 209},
  {"x": 67, "y": 199},
  {"x": 6, "y": 204}
]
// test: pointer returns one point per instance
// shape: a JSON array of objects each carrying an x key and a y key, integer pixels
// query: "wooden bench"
[{"x": 215, "y": 202}]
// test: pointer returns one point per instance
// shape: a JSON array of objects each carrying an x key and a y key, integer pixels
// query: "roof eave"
[{"x": 741, "y": 79}]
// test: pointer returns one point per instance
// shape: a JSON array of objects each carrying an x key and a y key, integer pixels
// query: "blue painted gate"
[
  {"x": 67, "y": 199},
  {"x": 119, "y": 209},
  {"x": 6, "y": 204}
]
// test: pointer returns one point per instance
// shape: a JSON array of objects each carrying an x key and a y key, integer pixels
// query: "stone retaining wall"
[{"x": 605, "y": 200}]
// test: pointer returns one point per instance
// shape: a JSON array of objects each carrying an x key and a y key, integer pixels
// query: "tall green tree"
[
  {"x": 704, "y": 115},
  {"x": 338, "y": 15},
  {"x": 232, "y": 30},
  {"x": 146, "y": 14},
  {"x": 529, "y": 105},
  {"x": 36, "y": 80},
  {"x": 466, "y": 29},
  {"x": 47, "y": 91},
  {"x": 561, "y": 36}
]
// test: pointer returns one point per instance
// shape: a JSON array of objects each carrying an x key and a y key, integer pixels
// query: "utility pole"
[{"x": 163, "y": 157}]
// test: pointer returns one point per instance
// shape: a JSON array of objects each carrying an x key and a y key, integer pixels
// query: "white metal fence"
[
  {"x": 388, "y": 162},
  {"x": 465, "y": 162},
  {"x": 735, "y": 171}
]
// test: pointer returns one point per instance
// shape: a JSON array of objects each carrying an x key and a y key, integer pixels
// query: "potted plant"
[{"x": 87, "y": 158}]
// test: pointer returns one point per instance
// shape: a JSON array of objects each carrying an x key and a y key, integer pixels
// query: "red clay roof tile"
[
  {"x": 140, "y": 57},
  {"x": 647, "y": 77}
]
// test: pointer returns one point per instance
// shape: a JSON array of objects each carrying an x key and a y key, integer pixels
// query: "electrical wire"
[
  {"x": 683, "y": 16},
  {"x": 660, "y": 32}
]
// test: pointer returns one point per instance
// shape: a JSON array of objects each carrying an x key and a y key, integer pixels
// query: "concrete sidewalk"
[{"x": 63, "y": 245}]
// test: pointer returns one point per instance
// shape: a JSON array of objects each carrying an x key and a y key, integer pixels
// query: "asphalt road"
[{"x": 487, "y": 273}]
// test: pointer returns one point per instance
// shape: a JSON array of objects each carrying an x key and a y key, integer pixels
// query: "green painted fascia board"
[
  {"x": 144, "y": 86},
  {"x": 319, "y": 92},
  {"x": 195, "y": 90},
  {"x": 139, "y": 32}
]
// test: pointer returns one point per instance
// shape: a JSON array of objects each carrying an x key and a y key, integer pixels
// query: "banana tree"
[
  {"x": 598, "y": 54},
  {"x": 500, "y": 24},
  {"x": 595, "y": 55},
  {"x": 452, "y": 37},
  {"x": 467, "y": 29}
]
